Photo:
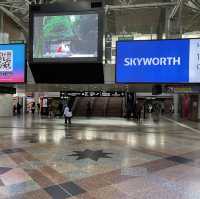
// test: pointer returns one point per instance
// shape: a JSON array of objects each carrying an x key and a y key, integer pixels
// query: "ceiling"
[{"x": 123, "y": 16}]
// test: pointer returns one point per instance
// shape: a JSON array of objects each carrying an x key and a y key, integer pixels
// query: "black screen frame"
[{"x": 43, "y": 12}]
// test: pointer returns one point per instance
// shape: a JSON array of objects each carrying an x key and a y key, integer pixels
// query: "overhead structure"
[
  {"x": 139, "y": 6},
  {"x": 18, "y": 11}
]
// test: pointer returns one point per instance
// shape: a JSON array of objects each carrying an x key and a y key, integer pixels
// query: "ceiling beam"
[
  {"x": 140, "y": 6},
  {"x": 15, "y": 19},
  {"x": 175, "y": 9}
]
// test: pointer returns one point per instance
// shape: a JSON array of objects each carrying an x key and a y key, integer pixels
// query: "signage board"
[
  {"x": 12, "y": 63},
  {"x": 158, "y": 61}
]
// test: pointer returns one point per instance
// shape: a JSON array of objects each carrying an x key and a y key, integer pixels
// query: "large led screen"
[
  {"x": 57, "y": 37},
  {"x": 12, "y": 63},
  {"x": 158, "y": 61}
]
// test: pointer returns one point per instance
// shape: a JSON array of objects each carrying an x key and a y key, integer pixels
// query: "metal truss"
[
  {"x": 193, "y": 4},
  {"x": 18, "y": 10},
  {"x": 140, "y": 6}
]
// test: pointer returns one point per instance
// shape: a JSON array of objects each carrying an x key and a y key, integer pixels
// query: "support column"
[
  {"x": 198, "y": 107},
  {"x": 24, "y": 105},
  {"x": 6, "y": 103},
  {"x": 1, "y": 22},
  {"x": 175, "y": 99}
]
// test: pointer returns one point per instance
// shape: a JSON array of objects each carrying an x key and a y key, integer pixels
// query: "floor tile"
[
  {"x": 136, "y": 186},
  {"x": 115, "y": 176},
  {"x": 14, "y": 176},
  {"x": 109, "y": 193},
  {"x": 52, "y": 174},
  {"x": 149, "y": 160},
  {"x": 57, "y": 193},
  {"x": 38, "y": 194},
  {"x": 17, "y": 158},
  {"x": 6, "y": 161},
  {"x": 175, "y": 173},
  {"x": 38, "y": 177},
  {"x": 157, "y": 165},
  {"x": 72, "y": 188},
  {"x": 92, "y": 183},
  {"x": 1, "y": 183},
  {"x": 4, "y": 193},
  {"x": 84, "y": 196},
  {"x": 13, "y": 150},
  {"x": 22, "y": 187},
  {"x": 4, "y": 170},
  {"x": 179, "y": 159}
]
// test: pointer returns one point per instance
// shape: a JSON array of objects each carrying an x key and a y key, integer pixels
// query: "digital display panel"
[
  {"x": 158, "y": 61},
  {"x": 12, "y": 63},
  {"x": 65, "y": 37}
]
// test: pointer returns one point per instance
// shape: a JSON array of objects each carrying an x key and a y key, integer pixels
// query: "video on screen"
[{"x": 65, "y": 36}]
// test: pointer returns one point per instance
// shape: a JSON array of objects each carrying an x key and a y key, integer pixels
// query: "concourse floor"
[{"x": 99, "y": 158}]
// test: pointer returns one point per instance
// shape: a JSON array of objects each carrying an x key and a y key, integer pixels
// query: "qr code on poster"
[{"x": 6, "y": 60}]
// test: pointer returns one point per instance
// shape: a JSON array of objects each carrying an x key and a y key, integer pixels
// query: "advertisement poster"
[
  {"x": 158, "y": 61},
  {"x": 12, "y": 63}
]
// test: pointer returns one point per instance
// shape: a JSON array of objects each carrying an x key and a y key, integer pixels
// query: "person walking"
[
  {"x": 67, "y": 115},
  {"x": 157, "y": 111}
]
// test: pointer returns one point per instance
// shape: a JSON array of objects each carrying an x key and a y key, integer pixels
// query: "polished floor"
[{"x": 99, "y": 158}]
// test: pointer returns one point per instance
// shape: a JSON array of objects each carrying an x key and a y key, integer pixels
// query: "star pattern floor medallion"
[{"x": 90, "y": 154}]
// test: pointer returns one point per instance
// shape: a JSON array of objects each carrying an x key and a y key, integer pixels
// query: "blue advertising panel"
[
  {"x": 158, "y": 61},
  {"x": 12, "y": 63}
]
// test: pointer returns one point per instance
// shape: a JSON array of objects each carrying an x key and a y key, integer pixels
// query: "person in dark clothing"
[
  {"x": 128, "y": 114},
  {"x": 60, "y": 107},
  {"x": 18, "y": 108},
  {"x": 138, "y": 111},
  {"x": 144, "y": 109},
  {"x": 157, "y": 111},
  {"x": 38, "y": 108},
  {"x": 33, "y": 108},
  {"x": 14, "y": 109},
  {"x": 89, "y": 110}
]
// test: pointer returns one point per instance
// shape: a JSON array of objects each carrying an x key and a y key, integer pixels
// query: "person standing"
[
  {"x": 14, "y": 109},
  {"x": 138, "y": 111},
  {"x": 18, "y": 108},
  {"x": 144, "y": 110},
  {"x": 89, "y": 110},
  {"x": 38, "y": 108},
  {"x": 67, "y": 115},
  {"x": 33, "y": 108}
]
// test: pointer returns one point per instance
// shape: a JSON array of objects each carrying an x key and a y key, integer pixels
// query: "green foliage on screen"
[
  {"x": 54, "y": 29},
  {"x": 62, "y": 27}
]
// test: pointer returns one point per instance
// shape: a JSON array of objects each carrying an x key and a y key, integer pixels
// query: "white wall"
[{"x": 6, "y": 105}]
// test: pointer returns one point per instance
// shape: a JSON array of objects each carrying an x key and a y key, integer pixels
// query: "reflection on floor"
[{"x": 98, "y": 158}]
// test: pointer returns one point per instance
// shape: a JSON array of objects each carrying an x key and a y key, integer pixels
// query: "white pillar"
[
  {"x": 6, "y": 105},
  {"x": 175, "y": 98},
  {"x": 199, "y": 107},
  {"x": 24, "y": 104}
]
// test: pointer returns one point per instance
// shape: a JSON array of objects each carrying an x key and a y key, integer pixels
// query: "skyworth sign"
[{"x": 158, "y": 61}]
